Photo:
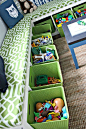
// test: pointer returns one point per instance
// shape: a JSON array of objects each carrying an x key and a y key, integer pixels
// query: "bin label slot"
[
  {"x": 81, "y": 7},
  {"x": 29, "y": 109}
]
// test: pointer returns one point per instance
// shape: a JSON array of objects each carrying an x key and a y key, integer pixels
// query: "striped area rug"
[{"x": 74, "y": 82}]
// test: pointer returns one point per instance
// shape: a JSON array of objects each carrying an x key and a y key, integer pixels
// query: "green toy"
[
  {"x": 42, "y": 79},
  {"x": 62, "y": 118},
  {"x": 36, "y": 114},
  {"x": 59, "y": 16},
  {"x": 50, "y": 50},
  {"x": 39, "y": 50},
  {"x": 81, "y": 23}
]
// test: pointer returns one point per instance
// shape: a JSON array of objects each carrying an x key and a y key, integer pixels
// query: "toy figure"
[
  {"x": 59, "y": 104},
  {"x": 27, "y": 6},
  {"x": 39, "y": 106}
]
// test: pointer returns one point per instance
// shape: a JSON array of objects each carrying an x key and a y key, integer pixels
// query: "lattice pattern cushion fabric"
[
  {"x": 51, "y": 6},
  {"x": 14, "y": 51},
  {"x": 40, "y": 2},
  {"x": 10, "y": 13}
]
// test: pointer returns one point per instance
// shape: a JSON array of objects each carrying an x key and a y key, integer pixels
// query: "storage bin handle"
[
  {"x": 43, "y": 23},
  {"x": 29, "y": 109},
  {"x": 31, "y": 79},
  {"x": 81, "y": 7}
]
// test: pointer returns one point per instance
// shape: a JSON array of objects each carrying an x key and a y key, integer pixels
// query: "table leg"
[{"x": 73, "y": 56}]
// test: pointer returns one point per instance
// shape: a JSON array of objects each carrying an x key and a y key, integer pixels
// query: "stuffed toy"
[{"x": 27, "y": 6}]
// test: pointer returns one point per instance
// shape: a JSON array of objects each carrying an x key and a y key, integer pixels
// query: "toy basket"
[
  {"x": 80, "y": 7},
  {"x": 44, "y": 21},
  {"x": 41, "y": 96},
  {"x": 41, "y": 29},
  {"x": 43, "y": 35},
  {"x": 49, "y": 69},
  {"x": 43, "y": 49},
  {"x": 60, "y": 28}
]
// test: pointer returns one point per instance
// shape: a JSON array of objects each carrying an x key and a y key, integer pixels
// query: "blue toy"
[
  {"x": 47, "y": 105},
  {"x": 64, "y": 112},
  {"x": 49, "y": 117}
]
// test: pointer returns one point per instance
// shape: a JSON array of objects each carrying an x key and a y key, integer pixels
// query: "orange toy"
[
  {"x": 38, "y": 106},
  {"x": 41, "y": 119},
  {"x": 55, "y": 118}
]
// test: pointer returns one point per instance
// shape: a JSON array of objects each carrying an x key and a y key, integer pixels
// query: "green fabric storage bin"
[
  {"x": 41, "y": 29},
  {"x": 60, "y": 28},
  {"x": 41, "y": 96},
  {"x": 43, "y": 34},
  {"x": 44, "y": 51},
  {"x": 51, "y": 69},
  {"x": 46, "y": 21},
  {"x": 79, "y": 7}
]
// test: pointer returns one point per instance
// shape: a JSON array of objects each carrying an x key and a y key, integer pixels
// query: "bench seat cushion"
[
  {"x": 11, "y": 111},
  {"x": 14, "y": 51}
]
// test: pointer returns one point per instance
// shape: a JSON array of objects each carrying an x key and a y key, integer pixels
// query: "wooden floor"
[{"x": 74, "y": 82}]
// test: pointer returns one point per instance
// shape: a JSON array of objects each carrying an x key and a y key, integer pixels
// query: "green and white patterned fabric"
[
  {"x": 14, "y": 51},
  {"x": 51, "y": 6}
]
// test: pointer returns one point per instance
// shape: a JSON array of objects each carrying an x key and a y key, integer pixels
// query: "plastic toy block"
[
  {"x": 42, "y": 79},
  {"x": 57, "y": 21},
  {"x": 59, "y": 25},
  {"x": 70, "y": 17},
  {"x": 66, "y": 18},
  {"x": 60, "y": 22},
  {"x": 81, "y": 23},
  {"x": 79, "y": 11},
  {"x": 82, "y": 14},
  {"x": 63, "y": 19}
]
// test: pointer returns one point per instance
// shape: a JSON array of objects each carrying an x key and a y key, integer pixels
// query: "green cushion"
[
  {"x": 11, "y": 111},
  {"x": 14, "y": 51}
]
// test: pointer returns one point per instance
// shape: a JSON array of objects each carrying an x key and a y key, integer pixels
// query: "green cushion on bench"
[
  {"x": 11, "y": 111},
  {"x": 14, "y": 51}
]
